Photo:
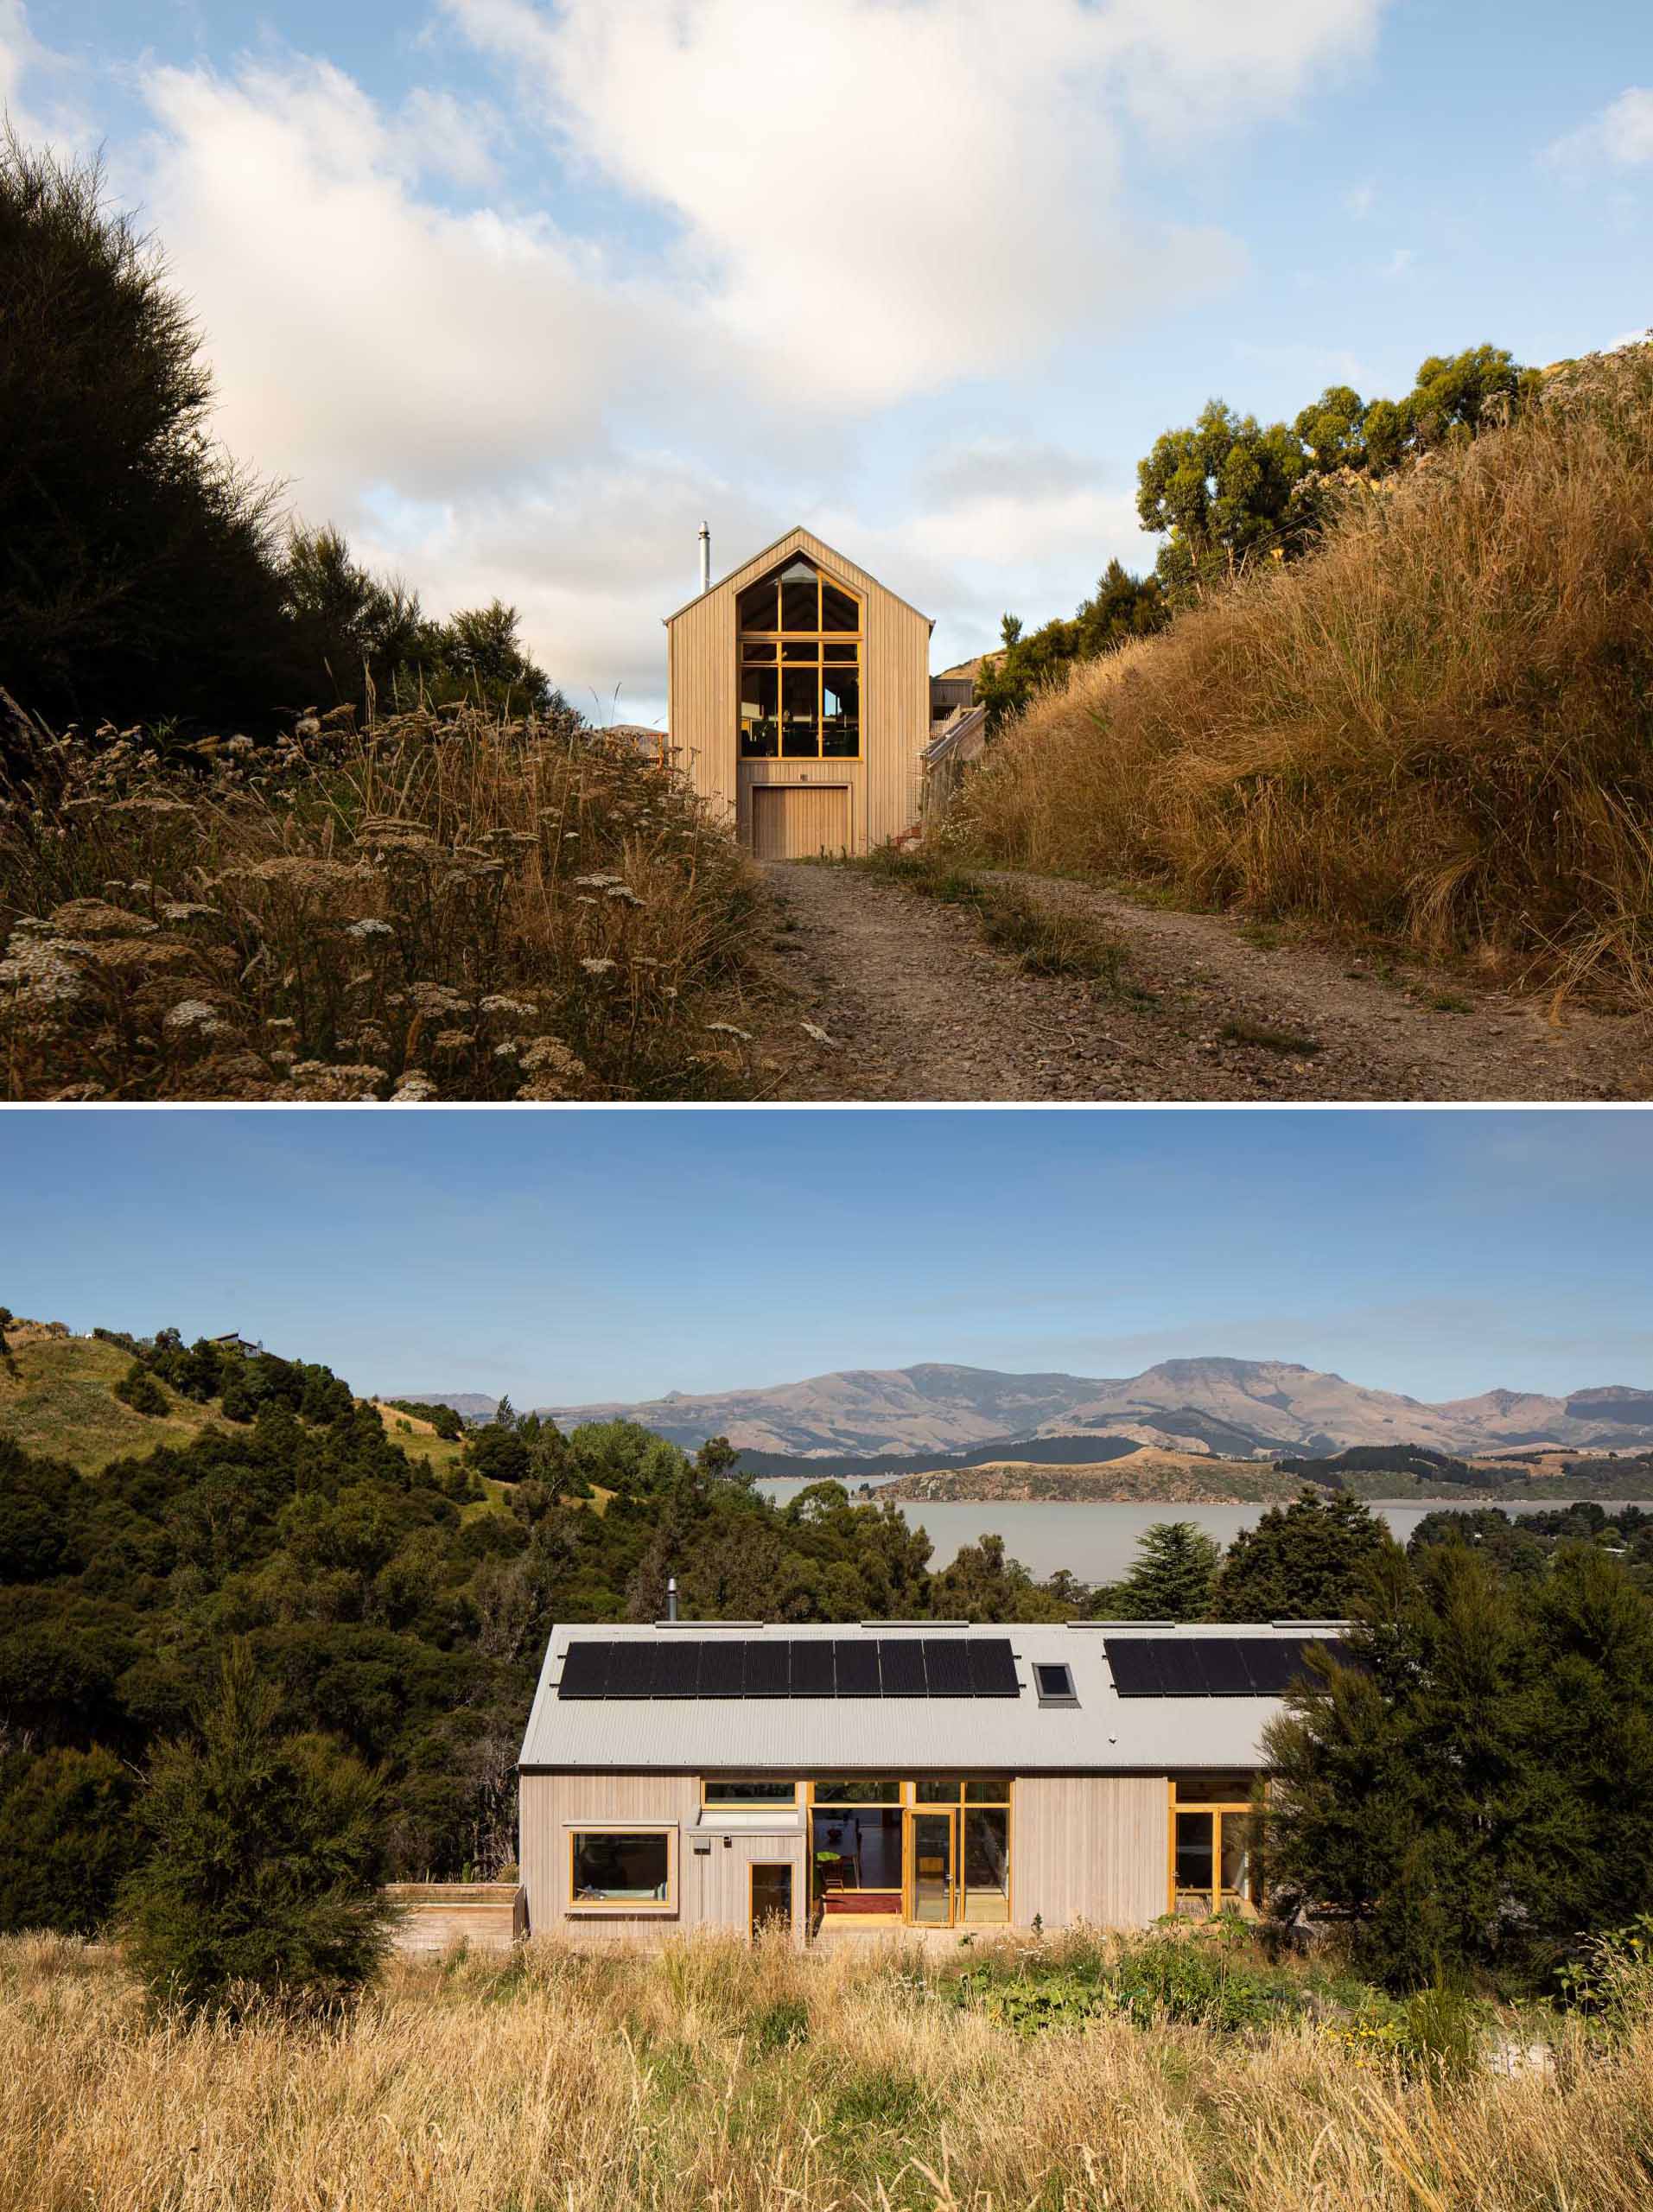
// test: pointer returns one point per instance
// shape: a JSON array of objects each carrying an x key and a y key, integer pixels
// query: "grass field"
[
  {"x": 419, "y": 1440},
  {"x": 758, "y": 2081},
  {"x": 57, "y": 1398}
]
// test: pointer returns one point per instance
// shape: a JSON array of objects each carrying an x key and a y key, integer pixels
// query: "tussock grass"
[
  {"x": 761, "y": 2081},
  {"x": 441, "y": 907},
  {"x": 1436, "y": 731}
]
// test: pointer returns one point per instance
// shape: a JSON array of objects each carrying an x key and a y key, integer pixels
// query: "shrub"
[
  {"x": 262, "y": 1881},
  {"x": 138, "y": 1389},
  {"x": 67, "y": 1838}
]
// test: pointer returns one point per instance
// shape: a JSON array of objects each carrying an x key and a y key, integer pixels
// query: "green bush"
[
  {"x": 262, "y": 1882},
  {"x": 138, "y": 1389},
  {"x": 67, "y": 1839},
  {"x": 1196, "y": 1982},
  {"x": 782, "y": 2025}
]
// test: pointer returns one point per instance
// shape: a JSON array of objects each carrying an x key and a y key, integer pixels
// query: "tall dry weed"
[
  {"x": 616, "y": 2083},
  {"x": 1437, "y": 730},
  {"x": 443, "y": 907}
]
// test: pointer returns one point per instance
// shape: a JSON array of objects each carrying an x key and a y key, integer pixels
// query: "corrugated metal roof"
[{"x": 1101, "y": 1732}]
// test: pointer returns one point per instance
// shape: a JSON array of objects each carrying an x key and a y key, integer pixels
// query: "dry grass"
[
  {"x": 717, "y": 2077},
  {"x": 443, "y": 907},
  {"x": 1437, "y": 732},
  {"x": 57, "y": 1399}
]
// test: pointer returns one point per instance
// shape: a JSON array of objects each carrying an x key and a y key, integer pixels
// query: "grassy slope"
[
  {"x": 418, "y": 1438},
  {"x": 761, "y": 2080},
  {"x": 1435, "y": 733},
  {"x": 57, "y": 1398}
]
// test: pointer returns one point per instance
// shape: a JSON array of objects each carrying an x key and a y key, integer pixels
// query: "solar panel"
[
  {"x": 631, "y": 1670},
  {"x": 723, "y": 1668},
  {"x": 1227, "y": 1674},
  {"x": 1182, "y": 1669},
  {"x": 857, "y": 1668},
  {"x": 1135, "y": 1661},
  {"x": 585, "y": 1670},
  {"x": 1278, "y": 1662},
  {"x": 900, "y": 1660},
  {"x": 992, "y": 1666},
  {"x": 812, "y": 1669},
  {"x": 677, "y": 1667},
  {"x": 769, "y": 1669},
  {"x": 947, "y": 1666}
]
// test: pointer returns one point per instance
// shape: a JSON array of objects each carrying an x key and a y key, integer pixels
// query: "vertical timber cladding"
[
  {"x": 712, "y": 1884},
  {"x": 880, "y": 789},
  {"x": 1088, "y": 1846},
  {"x": 791, "y": 822}
]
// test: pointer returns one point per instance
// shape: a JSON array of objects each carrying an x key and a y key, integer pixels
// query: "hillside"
[
  {"x": 1432, "y": 733},
  {"x": 57, "y": 1399},
  {"x": 1234, "y": 1409}
]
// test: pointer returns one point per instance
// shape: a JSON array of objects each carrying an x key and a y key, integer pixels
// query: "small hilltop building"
[{"x": 800, "y": 700}]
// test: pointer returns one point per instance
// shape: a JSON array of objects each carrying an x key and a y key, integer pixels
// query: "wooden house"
[
  {"x": 938, "y": 1775},
  {"x": 799, "y": 701}
]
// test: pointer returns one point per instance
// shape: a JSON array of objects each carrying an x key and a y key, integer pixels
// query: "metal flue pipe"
[
  {"x": 672, "y": 1597},
  {"x": 705, "y": 558}
]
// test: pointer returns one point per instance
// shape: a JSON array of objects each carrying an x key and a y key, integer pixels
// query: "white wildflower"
[
  {"x": 413, "y": 1090},
  {"x": 370, "y": 927},
  {"x": 190, "y": 1014},
  {"x": 814, "y": 1029},
  {"x": 499, "y": 1004},
  {"x": 183, "y": 910},
  {"x": 596, "y": 967},
  {"x": 728, "y": 1029}
]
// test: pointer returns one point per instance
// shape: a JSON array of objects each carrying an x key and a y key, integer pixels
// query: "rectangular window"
[
  {"x": 757, "y": 649},
  {"x": 840, "y": 652},
  {"x": 1054, "y": 1682},
  {"x": 1232, "y": 1787},
  {"x": 858, "y": 1793},
  {"x": 760, "y": 726},
  {"x": 800, "y": 737},
  {"x": 841, "y": 715},
  {"x": 748, "y": 1793},
  {"x": 986, "y": 1868},
  {"x": 1194, "y": 1861},
  {"x": 630, "y": 1868}
]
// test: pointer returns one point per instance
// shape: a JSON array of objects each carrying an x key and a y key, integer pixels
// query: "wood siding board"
[{"x": 1089, "y": 1848}]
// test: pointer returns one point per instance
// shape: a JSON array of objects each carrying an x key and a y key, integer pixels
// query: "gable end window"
[{"x": 800, "y": 667}]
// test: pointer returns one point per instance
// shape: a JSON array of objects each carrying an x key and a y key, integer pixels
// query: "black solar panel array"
[
  {"x": 884, "y": 1666},
  {"x": 1207, "y": 1665}
]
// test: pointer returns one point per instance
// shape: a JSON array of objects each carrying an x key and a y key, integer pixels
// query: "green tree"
[
  {"x": 262, "y": 1881},
  {"x": 356, "y": 631},
  {"x": 138, "y": 1389},
  {"x": 1304, "y": 1561},
  {"x": 1122, "y": 608},
  {"x": 67, "y": 1838},
  {"x": 1170, "y": 1579},
  {"x": 139, "y": 567},
  {"x": 982, "y": 1584},
  {"x": 1412, "y": 1794},
  {"x": 1222, "y": 492}
]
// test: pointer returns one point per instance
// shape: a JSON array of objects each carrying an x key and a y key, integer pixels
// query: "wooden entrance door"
[
  {"x": 797, "y": 822},
  {"x": 931, "y": 1856}
]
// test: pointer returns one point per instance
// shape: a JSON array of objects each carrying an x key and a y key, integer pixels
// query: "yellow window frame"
[
  {"x": 746, "y": 1804},
  {"x": 816, "y": 662},
  {"x": 624, "y": 1906},
  {"x": 1219, "y": 1808}
]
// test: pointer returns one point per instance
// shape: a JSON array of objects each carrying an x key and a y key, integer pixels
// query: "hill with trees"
[{"x": 1405, "y": 696}]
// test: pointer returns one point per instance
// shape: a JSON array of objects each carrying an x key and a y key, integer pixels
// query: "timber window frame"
[
  {"x": 612, "y": 1902},
  {"x": 751, "y": 1799},
  {"x": 1234, "y": 1829},
  {"x": 798, "y": 639}
]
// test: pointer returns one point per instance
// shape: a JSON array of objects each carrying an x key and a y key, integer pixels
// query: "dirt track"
[{"x": 919, "y": 1006}]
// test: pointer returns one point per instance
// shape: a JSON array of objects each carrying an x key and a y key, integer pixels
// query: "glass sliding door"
[{"x": 932, "y": 1859}]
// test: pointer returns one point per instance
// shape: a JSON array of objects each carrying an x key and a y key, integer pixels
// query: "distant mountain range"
[{"x": 1236, "y": 1408}]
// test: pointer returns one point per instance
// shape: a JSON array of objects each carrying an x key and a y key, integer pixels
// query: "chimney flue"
[
  {"x": 705, "y": 558},
  {"x": 672, "y": 1597}
]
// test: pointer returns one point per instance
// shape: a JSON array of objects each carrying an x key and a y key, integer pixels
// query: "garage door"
[{"x": 794, "y": 821}]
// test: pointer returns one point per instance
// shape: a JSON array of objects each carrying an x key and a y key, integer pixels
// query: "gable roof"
[
  {"x": 1106, "y": 1730},
  {"x": 849, "y": 571}
]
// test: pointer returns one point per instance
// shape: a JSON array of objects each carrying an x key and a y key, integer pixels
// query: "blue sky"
[
  {"x": 516, "y": 292},
  {"x": 570, "y": 1258}
]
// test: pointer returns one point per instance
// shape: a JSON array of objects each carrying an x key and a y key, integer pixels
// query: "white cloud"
[
  {"x": 1361, "y": 200},
  {"x": 847, "y": 206},
  {"x": 1621, "y": 135},
  {"x": 884, "y": 198},
  {"x": 1400, "y": 262},
  {"x": 61, "y": 121}
]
